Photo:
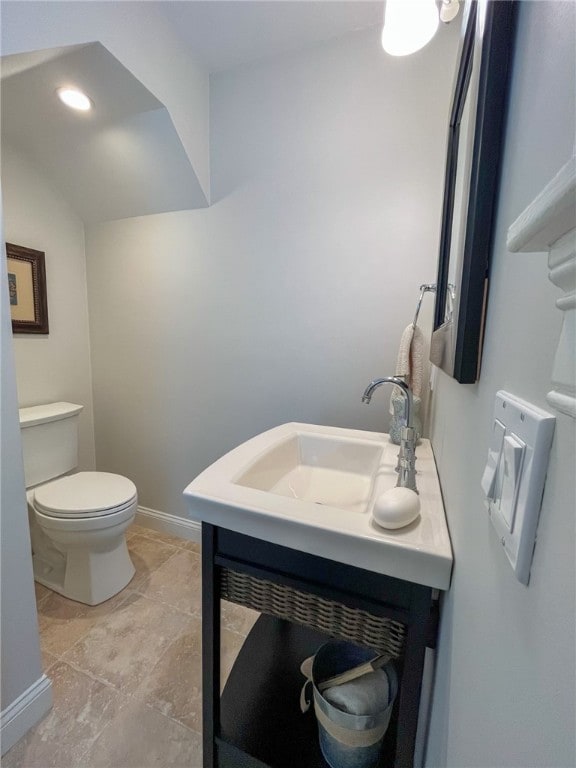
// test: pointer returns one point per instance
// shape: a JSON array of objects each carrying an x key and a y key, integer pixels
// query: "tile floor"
[{"x": 126, "y": 674}]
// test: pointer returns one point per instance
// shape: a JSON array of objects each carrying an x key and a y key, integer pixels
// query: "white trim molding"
[
  {"x": 549, "y": 224},
  {"x": 166, "y": 523},
  {"x": 27, "y": 710}
]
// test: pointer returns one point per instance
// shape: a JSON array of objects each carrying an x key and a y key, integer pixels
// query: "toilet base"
[
  {"x": 85, "y": 576},
  {"x": 85, "y": 560}
]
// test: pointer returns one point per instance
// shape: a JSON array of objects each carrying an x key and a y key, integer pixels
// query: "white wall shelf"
[{"x": 549, "y": 224}]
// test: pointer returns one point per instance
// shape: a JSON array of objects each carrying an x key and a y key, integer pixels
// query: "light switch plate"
[{"x": 517, "y": 463}]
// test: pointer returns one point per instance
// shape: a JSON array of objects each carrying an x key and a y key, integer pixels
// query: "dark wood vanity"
[{"x": 257, "y": 722}]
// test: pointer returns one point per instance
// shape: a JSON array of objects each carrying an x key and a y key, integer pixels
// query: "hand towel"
[
  {"x": 410, "y": 367},
  {"x": 403, "y": 358},
  {"x": 441, "y": 344},
  {"x": 410, "y": 360}
]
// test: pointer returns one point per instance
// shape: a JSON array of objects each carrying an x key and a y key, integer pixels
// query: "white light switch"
[
  {"x": 489, "y": 477},
  {"x": 513, "y": 480},
  {"x": 511, "y": 462}
]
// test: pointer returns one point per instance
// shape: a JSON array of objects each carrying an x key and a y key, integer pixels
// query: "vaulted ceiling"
[{"x": 224, "y": 34}]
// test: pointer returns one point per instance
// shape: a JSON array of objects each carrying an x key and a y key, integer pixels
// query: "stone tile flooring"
[{"x": 126, "y": 674}]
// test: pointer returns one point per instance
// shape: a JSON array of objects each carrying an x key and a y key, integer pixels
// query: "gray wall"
[
  {"x": 56, "y": 366},
  {"x": 20, "y": 661},
  {"x": 290, "y": 293},
  {"x": 505, "y": 678}
]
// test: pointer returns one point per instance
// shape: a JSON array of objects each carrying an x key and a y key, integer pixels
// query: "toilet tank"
[{"x": 49, "y": 441}]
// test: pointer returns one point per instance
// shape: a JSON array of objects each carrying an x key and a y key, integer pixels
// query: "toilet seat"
[
  {"x": 86, "y": 525},
  {"x": 85, "y": 495}
]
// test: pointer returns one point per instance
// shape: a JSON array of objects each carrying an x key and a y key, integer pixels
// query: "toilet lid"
[{"x": 85, "y": 494}]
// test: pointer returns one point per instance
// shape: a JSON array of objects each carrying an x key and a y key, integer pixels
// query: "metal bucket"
[{"x": 349, "y": 740}]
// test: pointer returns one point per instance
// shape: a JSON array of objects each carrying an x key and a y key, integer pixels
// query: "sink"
[
  {"x": 325, "y": 469},
  {"x": 312, "y": 488}
]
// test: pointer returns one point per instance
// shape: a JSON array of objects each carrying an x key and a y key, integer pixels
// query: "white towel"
[
  {"x": 410, "y": 361},
  {"x": 403, "y": 359},
  {"x": 441, "y": 344},
  {"x": 409, "y": 366}
]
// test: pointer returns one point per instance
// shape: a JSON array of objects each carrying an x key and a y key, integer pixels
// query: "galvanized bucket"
[{"x": 347, "y": 740}]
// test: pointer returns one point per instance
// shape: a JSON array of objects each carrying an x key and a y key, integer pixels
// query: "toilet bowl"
[
  {"x": 82, "y": 518},
  {"x": 77, "y": 521}
]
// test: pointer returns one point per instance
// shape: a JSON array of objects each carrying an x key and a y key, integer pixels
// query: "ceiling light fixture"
[
  {"x": 408, "y": 25},
  {"x": 74, "y": 98}
]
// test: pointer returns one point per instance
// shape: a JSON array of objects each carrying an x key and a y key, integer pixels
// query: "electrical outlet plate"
[{"x": 513, "y": 480}]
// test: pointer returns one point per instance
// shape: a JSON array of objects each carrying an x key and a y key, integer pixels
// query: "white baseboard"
[
  {"x": 28, "y": 709},
  {"x": 165, "y": 523}
]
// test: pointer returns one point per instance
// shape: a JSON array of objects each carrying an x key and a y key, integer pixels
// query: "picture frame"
[{"x": 27, "y": 289}]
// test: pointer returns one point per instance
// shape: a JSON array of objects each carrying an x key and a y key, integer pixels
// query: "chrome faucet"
[{"x": 406, "y": 466}]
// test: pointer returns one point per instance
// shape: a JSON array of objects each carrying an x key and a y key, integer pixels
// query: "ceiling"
[
  {"x": 120, "y": 160},
  {"x": 125, "y": 159},
  {"x": 223, "y": 34}
]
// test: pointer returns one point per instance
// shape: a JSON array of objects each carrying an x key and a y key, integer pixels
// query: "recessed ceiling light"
[{"x": 74, "y": 99}]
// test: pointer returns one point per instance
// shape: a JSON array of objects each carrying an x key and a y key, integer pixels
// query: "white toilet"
[{"x": 77, "y": 521}]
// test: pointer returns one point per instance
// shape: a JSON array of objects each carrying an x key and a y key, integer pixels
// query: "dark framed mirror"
[{"x": 475, "y": 134}]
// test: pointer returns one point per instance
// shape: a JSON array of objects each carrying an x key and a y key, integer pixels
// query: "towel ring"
[{"x": 424, "y": 288}]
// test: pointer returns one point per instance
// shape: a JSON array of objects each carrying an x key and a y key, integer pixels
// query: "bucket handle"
[{"x": 306, "y": 696}]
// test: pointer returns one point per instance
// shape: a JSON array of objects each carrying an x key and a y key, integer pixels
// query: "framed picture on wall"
[{"x": 27, "y": 288}]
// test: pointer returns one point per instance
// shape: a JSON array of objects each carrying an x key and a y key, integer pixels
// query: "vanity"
[{"x": 287, "y": 530}]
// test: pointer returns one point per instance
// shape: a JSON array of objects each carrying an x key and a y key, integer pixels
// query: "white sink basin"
[
  {"x": 322, "y": 468},
  {"x": 312, "y": 488}
]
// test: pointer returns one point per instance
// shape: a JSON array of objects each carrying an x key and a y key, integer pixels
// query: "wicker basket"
[{"x": 384, "y": 635}]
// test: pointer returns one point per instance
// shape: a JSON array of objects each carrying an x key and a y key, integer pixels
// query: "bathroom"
[{"x": 185, "y": 333}]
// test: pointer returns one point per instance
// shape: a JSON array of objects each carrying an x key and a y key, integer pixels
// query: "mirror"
[{"x": 470, "y": 186}]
